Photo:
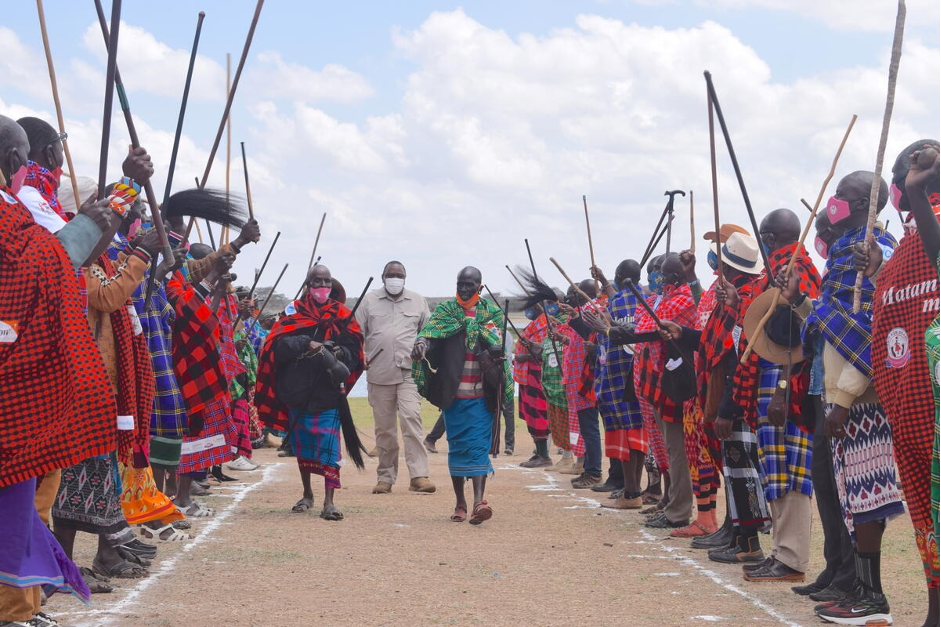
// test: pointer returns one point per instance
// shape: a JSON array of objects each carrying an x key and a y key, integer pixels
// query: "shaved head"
[
  {"x": 779, "y": 228},
  {"x": 14, "y": 147}
]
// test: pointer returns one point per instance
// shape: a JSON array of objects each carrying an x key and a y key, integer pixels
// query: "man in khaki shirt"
[{"x": 391, "y": 318}]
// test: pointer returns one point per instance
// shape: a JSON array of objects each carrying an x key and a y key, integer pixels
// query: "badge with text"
[
  {"x": 898, "y": 348},
  {"x": 9, "y": 331}
]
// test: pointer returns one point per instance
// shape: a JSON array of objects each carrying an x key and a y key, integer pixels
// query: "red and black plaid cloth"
[
  {"x": 333, "y": 319},
  {"x": 745, "y": 393},
  {"x": 678, "y": 305},
  {"x": 904, "y": 304},
  {"x": 56, "y": 401},
  {"x": 196, "y": 361},
  {"x": 136, "y": 388}
]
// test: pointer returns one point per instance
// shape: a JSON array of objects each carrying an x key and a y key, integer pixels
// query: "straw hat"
[
  {"x": 770, "y": 345},
  {"x": 741, "y": 252}
]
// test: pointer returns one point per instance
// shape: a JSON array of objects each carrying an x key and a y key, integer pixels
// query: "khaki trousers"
[
  {"x": 21, "y": 604},
  {"x": 403, "y": 400},
  {"x": 790, "y": 530},
  {"x": 680, "y": 504}
]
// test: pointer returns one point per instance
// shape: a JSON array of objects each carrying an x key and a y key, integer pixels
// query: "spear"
[
  {"x": 883, "y": 138},
  {"x": 109, "y": 98},
  {"x": 312, "y": 253},
  {"x": 55, "y": 99},
  {"x": 692, "y": 224},
  {"x": 273, "y": 288}
]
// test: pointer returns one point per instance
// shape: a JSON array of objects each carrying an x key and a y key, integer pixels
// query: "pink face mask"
[
  {"x": 320, "y": 294},
  {"x": 896, "y": 195},
  {"x": 837, "y": 210},
  {"x": 16, "y": 180},
  {"x": 821, "y": 247},
  {"x": 132, "y": 230}
]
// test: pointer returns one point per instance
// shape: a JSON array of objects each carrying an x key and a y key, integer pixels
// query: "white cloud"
[
  {"x": 865, "y": 15},
  {"x": 334, "y": 83},
  {"x": 150, "y": 66}
]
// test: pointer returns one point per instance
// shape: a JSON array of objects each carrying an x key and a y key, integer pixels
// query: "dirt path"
[{"x": 550, "y": 556}]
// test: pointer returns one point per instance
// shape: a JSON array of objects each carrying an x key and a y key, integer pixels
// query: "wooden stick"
[
  {"x": 591, "y": 248},
  {"x": 248, "y": 187},
  {"x": 715, "y": 183},
  {"x": 273, "y": 288},
  {"x": 810, "y": 222},
  {"x": 883, "y": 138},
  {"x": 198, "y": 232},
  {"x": 656, "y": 242},
  {"x": 235, "y": 84},
  {"x": 590, "y": 300},
  {"x": 228, "y": 143},
  {"x": 692, "y": 224},
  {"x": 653, "y": 236},
  {"x": 55, "y": 100},
  {"x": 310, "y": 265},
  {"x": 807, "y": 204},
  {"x": 518, "y": 282},
  {"x": 738, "y": 171},
  {"x": 251, "y": 292},
  {"x": 109, "y": 97}
]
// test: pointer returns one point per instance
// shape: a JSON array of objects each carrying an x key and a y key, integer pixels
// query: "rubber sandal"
[
  {"x": 196, "y": 510},
  {"x": 140, "y": 549},
  {"x": 482, "y": 512},
  {"x": 460, "y": 514},
  {"x": 124, "y": 570},
  {"x": 143, "y": 562},
  {"x": 96, "y": 583},
  {"x": 331, "y": 513},
  {"x": 694, "y": 530},
  {"x": 302, "y": 506},
  {"x": 155, "y": 534}
]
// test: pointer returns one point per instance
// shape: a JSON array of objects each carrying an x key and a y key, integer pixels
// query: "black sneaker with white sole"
[{"x": 858, "y": 609}]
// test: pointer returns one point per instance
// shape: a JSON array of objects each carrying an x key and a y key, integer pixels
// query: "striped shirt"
[{"x": 471, "y": 385}]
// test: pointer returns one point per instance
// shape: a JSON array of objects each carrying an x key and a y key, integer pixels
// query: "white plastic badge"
[
  {"x": 552, "y": 361},
  {"x": 673, "y": 364},
  {"x": 125, "y": 423},
  {"x": 8, "y": 331}
]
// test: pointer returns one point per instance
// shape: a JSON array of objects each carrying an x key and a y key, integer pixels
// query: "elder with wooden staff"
[
  {"x": 863, "y": 460},
  {"x": 905, "y": 304}
]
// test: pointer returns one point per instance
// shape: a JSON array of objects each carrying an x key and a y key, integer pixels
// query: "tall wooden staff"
[
  {"x": 715, "y": 181},
  {"x": 692, "y": 224},
  {"x": 228, "y": 103},
  {"x": 55, "y": 99},
  {"x": 248, "y": 187},
  {"x": 883, "y": 138},
  {"x": 591, "y": 248},
  {"x": 228, "y": 142},
  {"x": 312, "y": 253},
  {"x": 273, "y": 288},
  {"x": 575, "y": 287},
  {"x": 109, "y": 97},
  {"x": 810, "y": 221}
]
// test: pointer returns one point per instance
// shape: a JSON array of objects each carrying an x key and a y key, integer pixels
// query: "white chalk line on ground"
[
  {"x": 552, "y": 485},
  {"x": 169, "y": 565}
]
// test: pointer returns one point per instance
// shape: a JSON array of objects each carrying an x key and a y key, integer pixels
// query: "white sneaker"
[{"x": 241, "y": 463}]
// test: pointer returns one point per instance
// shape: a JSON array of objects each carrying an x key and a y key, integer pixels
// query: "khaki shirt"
[{"x": 391, "y": 325}]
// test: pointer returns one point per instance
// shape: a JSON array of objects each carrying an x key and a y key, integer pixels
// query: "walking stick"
[
  {"x": 532, "y": 264},
  {"x": 494, "y": 299},
  {"x": 883, "y": 138},
  {"x": 591, "y": 248},
  {"x": 224, "y": 238},
  {"x": 655, "y": 243},
  {"x": 248, "y": 187},
  {"x": 109, "y": 98},
  {"x": 495, "y": 429},
  {"x": 692, "y": 224},
  {"x": 810, "y": 221},
  {"x": 55, "y": 100},
  {"x": 738, "y": 171},
  {"x": 155, "y": 209},
  {"x": 650, "y": 244},
  {"x": 715, "y": 183},
  {"x": 672, "y": 195},
  {"x": 273, "y": 288},
  {"x": 251, "y": 292},
  {"x": 574, "y": 286},
  {"x": 312, "y": 253}
]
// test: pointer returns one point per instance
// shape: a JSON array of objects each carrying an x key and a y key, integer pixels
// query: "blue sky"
[{"x": 408, "y": 121}]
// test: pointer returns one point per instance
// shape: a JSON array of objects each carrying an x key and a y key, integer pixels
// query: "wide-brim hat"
[
  {"x": 741, "y": 252},
  {"x": 725, "y": 231},
  {"x": 763, "y": 345},
  {"x": 338, "y": 293}
]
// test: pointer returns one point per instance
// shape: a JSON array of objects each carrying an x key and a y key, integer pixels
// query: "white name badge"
[
  {"x": 552, "y": 361},
  {"x": 8, "y": 331},
  {"x": 125, "y": 423}
]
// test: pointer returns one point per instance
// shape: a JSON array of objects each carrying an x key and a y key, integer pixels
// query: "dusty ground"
[{"x": 550, "y": 556}]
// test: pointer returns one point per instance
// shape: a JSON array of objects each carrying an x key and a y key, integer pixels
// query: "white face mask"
[{"x": 394, "y": 286}]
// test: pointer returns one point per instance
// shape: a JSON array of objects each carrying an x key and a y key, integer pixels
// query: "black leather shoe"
[
  {"x": 737, "y": 555},
  {"x": 811, "y": 588},
  {"x": 606, "y": 487},
  {"x": 663, "y": 522},
  {"x": 756, "y": 565},
  {"x": 773, "y": 571},
  {"x": 829, "y": 594},
  {"x": 720, "y": 539}
]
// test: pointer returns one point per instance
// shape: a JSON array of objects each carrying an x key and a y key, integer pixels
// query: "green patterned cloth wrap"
[{"x": 449, "y": 319}]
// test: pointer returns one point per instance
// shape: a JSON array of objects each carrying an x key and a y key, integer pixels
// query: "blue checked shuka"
[
  {"x": 614, "y": 370},
  {"x": 785, "y": 452},
  {"x": 850, "y": 334},
  {"x": 168, "y": 419}
]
